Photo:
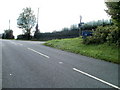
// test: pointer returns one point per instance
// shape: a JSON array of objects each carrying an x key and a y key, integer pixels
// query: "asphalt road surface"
[
  {"x": 29, "y": 64},
  {"x": 0, "y": 65}
]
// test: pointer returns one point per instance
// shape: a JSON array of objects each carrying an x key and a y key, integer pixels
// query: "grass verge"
[{"x": 102, "y": 51}]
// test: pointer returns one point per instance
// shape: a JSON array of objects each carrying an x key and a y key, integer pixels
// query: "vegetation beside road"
[{"x": 100, "y": 51}]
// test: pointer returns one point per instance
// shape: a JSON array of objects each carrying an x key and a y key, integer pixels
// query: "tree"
[
  {"x": 37, "y": 32},
  {"x": 114, "y": 11},
  {"x": 73, "y": 27},
  {"x": 8, "y": 34},
  {"x": 26, "y": 21}
]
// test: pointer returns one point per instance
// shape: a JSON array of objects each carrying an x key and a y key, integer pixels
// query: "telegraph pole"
[
  {"x": 9, "y": 24},
  {"x": 37, "y": 21},
  {"x": 37, "y": 30},
  {"x": 38, "y": 16}
]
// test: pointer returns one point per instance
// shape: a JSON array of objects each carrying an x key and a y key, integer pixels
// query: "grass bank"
[{"x": 102, "y": 51}]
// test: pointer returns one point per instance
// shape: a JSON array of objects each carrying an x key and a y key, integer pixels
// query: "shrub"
[
  {"x": 113, "y": 36},
  {"x": 104, "y": 34}
]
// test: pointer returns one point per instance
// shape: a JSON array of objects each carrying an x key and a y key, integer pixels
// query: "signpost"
[
  {"x": 83, "y": 33},
  {"x": 79, "y": 25}
]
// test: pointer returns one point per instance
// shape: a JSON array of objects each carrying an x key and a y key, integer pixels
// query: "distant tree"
[
  {"x": 114, "y": 11},
  {"x": 65, "y": 29},
  {"x": 73, "y": 27},
  {"x": 26, "y": 21},
  {"x": 8, "y": 34},
  {"x": 22, "y": 37},
  {"x": 37, "y": 32},
  {"x": 94, "y": 24},
  {"x": 3, "y": 36}
]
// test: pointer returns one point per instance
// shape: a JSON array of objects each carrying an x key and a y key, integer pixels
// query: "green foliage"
[
  {"x": 64, "y": 33},
  {"x": 71, "y": 32},
  {"x": 26, "y": 20},
  {"x": 8, "y": 34},
  {"x": 99, "y": 36},
  {"x": 94, "y": 24},
  {"x": 37, "y": 32},
  {"x": 114, "y": 11},
  {"x": 108, "y": 34},
  {"x": 113, "y": 36},
  {"x": 23, "y": 37},
  {"x": 75, "y": 45},
  {"x": 104, "y": 34}
]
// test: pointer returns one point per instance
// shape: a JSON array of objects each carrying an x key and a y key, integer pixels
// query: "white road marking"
[
  {"x": 39, "y": 53},
  {"x": 13, "y": 43},
  {"x": 114, "y": 86},
  {"x": 20, "y": 44},
  {"x": 16, "y": 43},
  {"x": 60, "y": 62}
]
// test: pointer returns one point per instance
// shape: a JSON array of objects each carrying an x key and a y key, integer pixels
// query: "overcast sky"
[{"x": 53, "y": 14}]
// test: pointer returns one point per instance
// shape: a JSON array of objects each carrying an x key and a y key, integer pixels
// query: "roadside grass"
[
  {"x": 102, "y": 51},
  {"x": 8, "y": 39}
]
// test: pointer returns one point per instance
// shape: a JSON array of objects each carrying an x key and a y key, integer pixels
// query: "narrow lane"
[
  {"x": 99, "y": 68},
  {"x": 24, "y": 68},
  {"x": 0, "y": 64}
]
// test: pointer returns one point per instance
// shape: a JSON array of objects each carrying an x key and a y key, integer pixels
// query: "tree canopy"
[
  {"x": 114, "y": 11},
  {"x": 8, "y": 34},
  {"x": 26, "y": 20}
]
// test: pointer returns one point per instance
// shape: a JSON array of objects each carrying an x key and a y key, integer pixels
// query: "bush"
[
  {"x": 23, "y": 37},
  {"x": 104, "y": 34},
  {"x": 113, "y": 36}
]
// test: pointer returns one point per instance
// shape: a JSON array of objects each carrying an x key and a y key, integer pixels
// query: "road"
[
  {"x": 29, "y": 64},
  {"x": 0, "y": 65}
]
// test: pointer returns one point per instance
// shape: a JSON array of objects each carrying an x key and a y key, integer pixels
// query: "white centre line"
[
  {"x": 20, "y": 44},
  {"x": 39, "y": 53},
  {"x": 114, "y": 86},
  {"x": 13, "y": 43},
  {"x": 60, "y": 62}
]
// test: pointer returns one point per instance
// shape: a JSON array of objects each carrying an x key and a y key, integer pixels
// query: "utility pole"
[
  {"x": 38, "y": 16},
  {"x": 37, "y": 31},
  {"x": 9, "y": 24}
]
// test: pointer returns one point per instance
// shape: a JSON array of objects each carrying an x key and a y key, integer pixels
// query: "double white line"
[{"x": 39, "y": 53}]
